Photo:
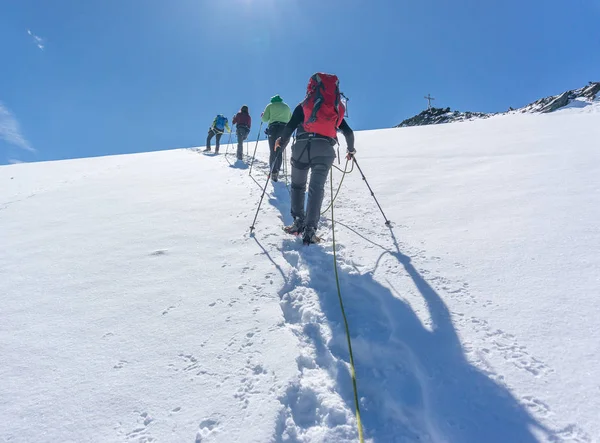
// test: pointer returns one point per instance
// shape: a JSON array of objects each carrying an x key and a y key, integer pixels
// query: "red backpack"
[{"x": 323, "y": 108}]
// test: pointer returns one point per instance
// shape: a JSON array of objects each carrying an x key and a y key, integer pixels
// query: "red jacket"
[{"x": 242, "y": 119}]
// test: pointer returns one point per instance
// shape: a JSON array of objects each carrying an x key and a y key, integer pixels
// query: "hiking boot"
[
  {"x": 310, "y": 236},
  {"x": 295, "y": 228},
  {"x": 217, "y": 151},
  {"x": 207, "y": 149},
  {"x": 275, "y": 176}
]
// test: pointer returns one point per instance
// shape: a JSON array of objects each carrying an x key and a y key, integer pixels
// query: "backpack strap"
[{"x": 318, "y": 98}]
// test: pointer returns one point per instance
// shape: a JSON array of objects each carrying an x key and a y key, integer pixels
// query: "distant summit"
[
  {"x": 436, "y": 116},
  {"x": 575, "y": 97},
  {"x": 583, "y": 96}
]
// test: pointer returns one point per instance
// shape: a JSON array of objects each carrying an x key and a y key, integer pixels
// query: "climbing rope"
[
  {"x": 344, "y": 172},
  {"x": 337, "y": 282}
]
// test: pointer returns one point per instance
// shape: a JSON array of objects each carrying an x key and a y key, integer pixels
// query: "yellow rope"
[
  {"x": 337, "y": 281},
  {"x": 344, "y": 172}
]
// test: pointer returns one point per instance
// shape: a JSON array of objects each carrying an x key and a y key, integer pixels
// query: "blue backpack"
[{"x": 220, "y": 122}]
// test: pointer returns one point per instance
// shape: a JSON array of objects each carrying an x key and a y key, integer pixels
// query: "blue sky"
[{"x": 100, "y": 77}]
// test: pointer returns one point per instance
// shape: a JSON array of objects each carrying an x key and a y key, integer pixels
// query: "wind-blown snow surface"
[{"x": 136, "y": 307}]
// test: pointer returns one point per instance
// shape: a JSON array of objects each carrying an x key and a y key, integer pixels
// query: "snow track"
[
  {"x": 415, "y": 380},
  {"x": 135, "y": 307}
]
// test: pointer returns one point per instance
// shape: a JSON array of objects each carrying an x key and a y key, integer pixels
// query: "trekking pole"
[
  {"x": 255, "y": 147},
  {"x": 387, "y": 222},
  {"x": 228, "y": 142},
  {"x": 263, "y": 194},
  {"x": 285, "y": 170}
]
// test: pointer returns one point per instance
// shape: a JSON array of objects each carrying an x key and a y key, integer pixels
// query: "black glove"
[{"x": 280, "y": 143}]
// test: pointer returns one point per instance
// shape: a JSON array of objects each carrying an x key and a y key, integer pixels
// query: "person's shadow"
[
  {"x": 415, "y": 382},
  {"x": 238, "y": 164}
]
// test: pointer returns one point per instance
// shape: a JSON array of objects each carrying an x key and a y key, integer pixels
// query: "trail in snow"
[
  {"x": 135, "y": 307},
  {"x": 415, "y": 382},
  {"x": 122, "y": 320}
]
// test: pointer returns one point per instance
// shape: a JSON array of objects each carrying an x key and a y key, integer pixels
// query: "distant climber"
[
  {"x": 243, "y": 123},
  {"x": 317, "y": 120},
  {"x": 276, "y": 115},
  {"x": 219, "y": 125}
]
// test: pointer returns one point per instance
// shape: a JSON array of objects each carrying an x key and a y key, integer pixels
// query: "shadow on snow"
[{"x": 415, "y": 384}]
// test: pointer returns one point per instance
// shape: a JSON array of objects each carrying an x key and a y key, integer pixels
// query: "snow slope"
[{"x": 134, "y": 305}]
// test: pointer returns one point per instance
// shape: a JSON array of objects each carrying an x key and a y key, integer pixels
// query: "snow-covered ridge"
[
  {"x": 436, "y": 116},
  {"x": 576, "y": 97},
  {"x": 585, "y": 95},
  {"x": 135, "y": 307}
]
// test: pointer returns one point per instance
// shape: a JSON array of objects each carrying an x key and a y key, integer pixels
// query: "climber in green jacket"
[{"x": 276, "y": 115}]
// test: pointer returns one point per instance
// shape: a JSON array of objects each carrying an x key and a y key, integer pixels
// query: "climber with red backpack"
[{"x": 316, "y": 121}]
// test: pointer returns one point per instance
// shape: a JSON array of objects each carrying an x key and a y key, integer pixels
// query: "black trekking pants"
[
  {"x": 274, "y": 130},
  {"x": 242, "y": 133},
  {"x": 316, "y": 156},
  {"x": 211, "y": 133}
]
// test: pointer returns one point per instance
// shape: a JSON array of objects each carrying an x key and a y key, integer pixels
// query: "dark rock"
[
  {"x": 554, "y": 102},
  {"x": 591, "y": 90},
  {"x": 559, "y": 102},
  {"x": 436, "y": 116}
]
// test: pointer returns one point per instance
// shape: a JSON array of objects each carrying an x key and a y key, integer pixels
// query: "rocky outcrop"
[
  {"x": 436, "y": 116},
  {"x": 559, "y": 102},
  {"x": 554, "y": 102}
]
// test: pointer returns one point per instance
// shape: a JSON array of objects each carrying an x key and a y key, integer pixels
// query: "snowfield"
[{"x": 136, "y": 307}]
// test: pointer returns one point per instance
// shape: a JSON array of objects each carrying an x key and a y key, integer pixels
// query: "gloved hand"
[
  {"x": 350, "y": 153},
  {"x": 281, "y": 144}
]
